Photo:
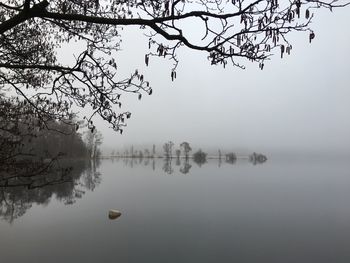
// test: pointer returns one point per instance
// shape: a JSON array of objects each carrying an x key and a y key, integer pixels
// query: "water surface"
[{"x": 279, "y": 211}]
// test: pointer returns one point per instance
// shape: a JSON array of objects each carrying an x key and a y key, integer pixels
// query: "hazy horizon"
[{"x": 296, "y": 104}]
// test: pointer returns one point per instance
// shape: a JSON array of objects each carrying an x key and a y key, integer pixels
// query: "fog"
[{"x": 298, "y": 103}]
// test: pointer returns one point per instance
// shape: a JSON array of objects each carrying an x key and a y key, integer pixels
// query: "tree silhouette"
[
  {"x": 186, "y": 148},
  {"x": 200, "y": 157},
  {"x": 154, "y": 150},
  {"x": 257, "y": 158},
  {"x": 93, "y": 140},
  {"x": 168, "y": 149},
  {"x": 32, "y": 31},
  {"x": 27, "y": 146},
  {"x": 231, "y": 158}
]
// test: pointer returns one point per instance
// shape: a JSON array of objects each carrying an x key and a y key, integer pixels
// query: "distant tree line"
[
  {"x": 183, "y": 152},
  {"x": 184, "y": 165}
]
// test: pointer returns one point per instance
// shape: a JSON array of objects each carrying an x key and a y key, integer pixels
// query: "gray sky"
[{"x": 301, "y": 102}]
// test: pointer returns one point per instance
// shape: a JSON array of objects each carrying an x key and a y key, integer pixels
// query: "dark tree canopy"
[
  {"x": 27, "y": 148},
  {"x": 32, "y": 31}
]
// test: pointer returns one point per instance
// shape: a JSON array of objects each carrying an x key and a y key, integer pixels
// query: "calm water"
[{"x": 279, "y": 211}]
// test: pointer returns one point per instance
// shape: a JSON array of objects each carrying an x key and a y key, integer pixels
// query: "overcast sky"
[{"x": 301, "y": 102}]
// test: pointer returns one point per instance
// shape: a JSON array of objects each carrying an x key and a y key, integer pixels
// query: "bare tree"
[
  {"x": 132, "y": 151},
  {"x": 154, "y": 150},
  {"x": 32, "y": 31},
  {"x": 93, "y": 141},
  {"x": 168, "y": 149},
  {"x": 186, "y": 148}
]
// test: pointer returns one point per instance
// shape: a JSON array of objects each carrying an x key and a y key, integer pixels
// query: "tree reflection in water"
[
  {"x": 183, "y": 165},
  {"x": 66, "y": 181},
  {"x": 167, "y": 167},
  {"x": 186, "y": 167}
]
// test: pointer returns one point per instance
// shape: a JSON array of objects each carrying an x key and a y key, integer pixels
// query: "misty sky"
[{"x": 301, "y": 102}]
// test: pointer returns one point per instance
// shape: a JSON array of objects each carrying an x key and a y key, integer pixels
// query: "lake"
[{"x": 284, "y": 210}]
